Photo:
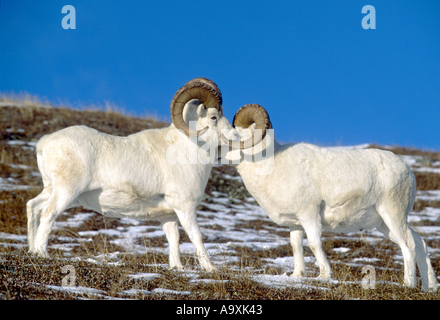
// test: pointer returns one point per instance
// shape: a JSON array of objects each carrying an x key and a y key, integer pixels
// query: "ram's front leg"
[
  {"x": 296, "y": 238},
  {"x": 311, "y": 222},
  {"x": 172, "y": 233},
  {"x": 188, "y": 219}
]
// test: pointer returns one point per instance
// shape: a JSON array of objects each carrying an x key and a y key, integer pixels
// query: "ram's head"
[
  {"x": 252, "y": 122},
  {"x": 197, "y": 110}
]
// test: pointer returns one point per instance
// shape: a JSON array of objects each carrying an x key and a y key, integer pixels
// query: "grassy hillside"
[{"x": 108, "y": 268}]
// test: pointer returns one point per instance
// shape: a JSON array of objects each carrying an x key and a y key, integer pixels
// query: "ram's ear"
[{"x": 201, "y": 110}]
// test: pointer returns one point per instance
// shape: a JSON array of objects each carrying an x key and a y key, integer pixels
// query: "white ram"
[
  {"x": 311, "y": 189},
  {"x": 131, "y": 176}
]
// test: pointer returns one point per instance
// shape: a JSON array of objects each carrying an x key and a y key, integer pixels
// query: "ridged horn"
[
  {"x": 202, "y": 89},
  {"x": 210, "y": 83},
  {"x": 245, "y": 116}
]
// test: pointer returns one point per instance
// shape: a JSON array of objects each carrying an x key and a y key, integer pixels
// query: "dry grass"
[
  {"x": 26, "y": 277},
  {"x": 434, "y": 155}
]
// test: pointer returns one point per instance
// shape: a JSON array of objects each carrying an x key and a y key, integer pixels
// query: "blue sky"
[{"x": 320, "y": 75}]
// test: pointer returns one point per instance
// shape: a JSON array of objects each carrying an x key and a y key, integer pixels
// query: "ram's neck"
[{"x": 258, "y": 162}]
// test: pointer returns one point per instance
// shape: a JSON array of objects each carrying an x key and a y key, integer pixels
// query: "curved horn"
[
  {"x": 245, "y": 116},
  {"x": 210, "y": 83},
  {"x": 202, "y": 89}
]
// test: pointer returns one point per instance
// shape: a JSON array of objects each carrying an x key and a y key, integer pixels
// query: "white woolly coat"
[
  {"x": 310, "y": 189},
  {"x": 346, "y": 185}
]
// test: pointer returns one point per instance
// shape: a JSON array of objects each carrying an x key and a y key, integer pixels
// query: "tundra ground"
[{"x": 128, "y": 259}]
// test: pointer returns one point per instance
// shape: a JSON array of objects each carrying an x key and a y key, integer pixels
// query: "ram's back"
[
  {"x": 305, "y": 175},
  {"x": 88, "y": 158}
]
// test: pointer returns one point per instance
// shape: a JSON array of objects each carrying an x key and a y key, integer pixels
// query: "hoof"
[
  {"x": 39, "y": 253},
  {"x": 211, "y": 268},
  {"x": 324, "y": 278},
  {"x": 298, "y": 275},
  {"x": 179, "y": 268},
  {"x": 431, "y": 289}
]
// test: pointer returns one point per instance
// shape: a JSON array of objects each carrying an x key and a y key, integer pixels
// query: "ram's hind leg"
[
  {"x": 427, "y": 274},
  {"x": 33, "y": 210},
  {"x": 395, "y": 227},
  {"x": 56, "y": 203},
  {"x": 399, "y": 232}
]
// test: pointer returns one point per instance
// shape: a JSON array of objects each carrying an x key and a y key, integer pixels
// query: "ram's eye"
[{"x": 214, "y": 118}]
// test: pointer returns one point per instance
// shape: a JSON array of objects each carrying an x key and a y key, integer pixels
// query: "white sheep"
[
  {"x": 131, "y": 176},
  {"x": 311, "y": 189}
]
